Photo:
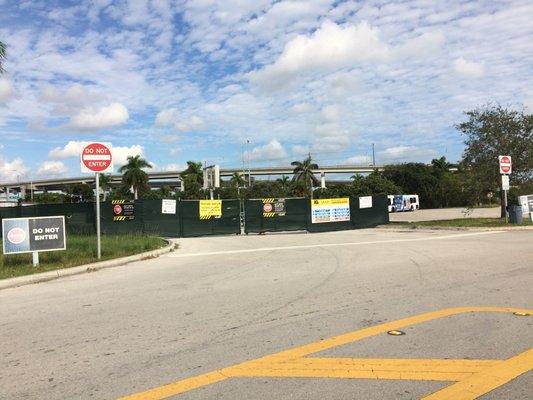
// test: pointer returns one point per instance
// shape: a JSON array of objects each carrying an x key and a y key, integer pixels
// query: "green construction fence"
[
  {"x": 185, "y": 222},
  {"x": 298, "y": 216}
]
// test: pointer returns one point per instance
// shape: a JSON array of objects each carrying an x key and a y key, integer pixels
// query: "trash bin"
[{"x": 515, "y": 214}]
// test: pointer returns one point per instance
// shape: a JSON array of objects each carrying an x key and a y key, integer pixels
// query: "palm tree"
[
  {"x": 105, "y": 179},
  {"x": 194, "y": 172},
  {"x": 284, "y": 182},
  {"x": 2, "y": 55},
  {"x": 237, "y": 180},
  {"x": 133, "y": 174},
  {"x": 303, "y": 173}
]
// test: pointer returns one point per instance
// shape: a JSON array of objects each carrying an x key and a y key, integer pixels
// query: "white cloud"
[
  {"x": 12, "y": 171},
  {"x": 405, "y": 154},
  {"x": 299, "y": 149},
  {"x": 468, "y": 68},
  {"x": 70, "y": 100},
  {"x": 104, "y": 117},
  {"x": 360, "y": 160},
  {"x": 73, "y": 150},
  {"x": 330, "y": 47},
  {"x": 173, "y": 167},
  {"x": 191, "y": 124},
  {"x": 121, "y": 154},
  {"x": 50, "y": 169},
  {"x": 167, "y": 117},
  {"x": 171, "y": 116},
  {"x": 301, "y": 108},
  {"x": 268, "y": 152},
  {"x": 528, "y": 104},
  {"x": 6, "y": 90},
  {"x": 331, "y": 113}
]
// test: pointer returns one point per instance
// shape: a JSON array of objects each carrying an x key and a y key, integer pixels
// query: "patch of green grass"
[
  {"x": 80, "y": 250},
  {"x": 463, "y": 223}
]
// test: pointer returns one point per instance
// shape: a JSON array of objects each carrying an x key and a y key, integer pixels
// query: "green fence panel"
[
  {"x": 79, "y": 217},
  {"x": 378, "y": 214},
  {"x": 157, "y": 223},
  {"x": 9, "y": 212},
  {"x": 192, "y": 225},
  {"x": 295, "y": 218},
  {"x": 128, "y": 227}
]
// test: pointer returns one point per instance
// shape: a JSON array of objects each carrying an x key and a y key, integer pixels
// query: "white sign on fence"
[
  {"x": 168, "y": 206},
  {"x": 365, "y": 202}
]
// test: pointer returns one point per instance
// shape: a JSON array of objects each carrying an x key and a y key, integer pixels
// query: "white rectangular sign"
[
  {"x": 505, "y": 182},
  {"x": 168, "y": 206},
  {"x": 365, "y": 202}
]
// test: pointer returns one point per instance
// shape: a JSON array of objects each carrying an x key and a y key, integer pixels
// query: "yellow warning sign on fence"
[{"x": 210, "y": 209}]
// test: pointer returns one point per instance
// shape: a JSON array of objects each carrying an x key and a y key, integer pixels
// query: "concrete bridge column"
[{"x": 323, "y": 180}]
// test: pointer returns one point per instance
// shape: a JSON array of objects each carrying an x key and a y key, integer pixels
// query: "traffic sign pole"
[
  {"x": 97, "y": 158},
  {"x": 98, "y": 243},
  {"x": 506, "y": 167}
]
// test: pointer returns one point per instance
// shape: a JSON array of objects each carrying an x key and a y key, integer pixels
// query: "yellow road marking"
[
  {"x": 366, "y": 368},
  {"x": 487, "y": 380},
  {"x": 291, "y": 363}
]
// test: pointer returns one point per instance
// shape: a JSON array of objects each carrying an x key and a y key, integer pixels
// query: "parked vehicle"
[{"x": 403, "y": 202}]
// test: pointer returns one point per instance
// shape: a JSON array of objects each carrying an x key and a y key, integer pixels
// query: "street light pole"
[{"x": 249, "y": 163}]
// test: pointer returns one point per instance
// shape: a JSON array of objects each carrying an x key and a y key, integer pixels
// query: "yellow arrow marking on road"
[{"x": 473, "y": 377}]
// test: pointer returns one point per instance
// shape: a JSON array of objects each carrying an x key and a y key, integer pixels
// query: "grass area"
[
  {"x": 463, "y": 223},
  {"x": 80, "y": 250}
]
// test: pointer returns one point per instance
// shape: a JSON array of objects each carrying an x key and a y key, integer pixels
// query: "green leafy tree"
[
  {"x": 493, "y": 131},
  {"x": 193, "y": 172},
  {"x": 415, "y": 178},
  {"x": 303, "y": 174},
  {"x": 133, "y": 174},
  {"x": 2, "y": 56},
  {"x": 79, "y": 192}
]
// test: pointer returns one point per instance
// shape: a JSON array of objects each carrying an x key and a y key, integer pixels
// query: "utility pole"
[{"x": 373, "y": 156}]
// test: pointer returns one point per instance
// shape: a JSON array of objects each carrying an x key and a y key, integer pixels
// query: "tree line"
[{"x": 488, "y": 132}]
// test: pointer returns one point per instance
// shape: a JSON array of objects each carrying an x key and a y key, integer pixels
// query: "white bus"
[{"x": 403, "y": 202}]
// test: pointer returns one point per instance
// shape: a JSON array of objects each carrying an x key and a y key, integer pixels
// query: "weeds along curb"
[{"x": 82, "y": 269}]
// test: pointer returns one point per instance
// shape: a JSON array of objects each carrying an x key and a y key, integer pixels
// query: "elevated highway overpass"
[{"x": 172, "y": 178}]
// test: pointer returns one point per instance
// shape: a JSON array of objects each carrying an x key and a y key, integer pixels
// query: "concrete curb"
[
  {"x": 452, "y": 228},
  {"x": 82, "y": 269}
]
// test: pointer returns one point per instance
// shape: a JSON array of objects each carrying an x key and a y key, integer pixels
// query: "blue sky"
[{"x": 192, "y": 80}]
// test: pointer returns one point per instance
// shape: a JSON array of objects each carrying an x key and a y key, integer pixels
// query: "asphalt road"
[
  {"x": 220, "y": 301},
  {"x": 433, "y": 214}
]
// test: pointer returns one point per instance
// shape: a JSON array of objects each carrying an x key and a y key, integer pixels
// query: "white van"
[{"x": 403, "y": 202}]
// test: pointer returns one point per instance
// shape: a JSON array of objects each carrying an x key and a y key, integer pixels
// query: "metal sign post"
[
  {"x": 98, "y": 240},
  {"x": 506, "y": 167},
  {"x": 35, "y": 258},
  {"x": 97, "y": 157}
]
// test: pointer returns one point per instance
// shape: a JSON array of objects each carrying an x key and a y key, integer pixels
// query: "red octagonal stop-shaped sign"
[
  {"x": 97, "y": 157},
  {"x": 506, "y": 165}
]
